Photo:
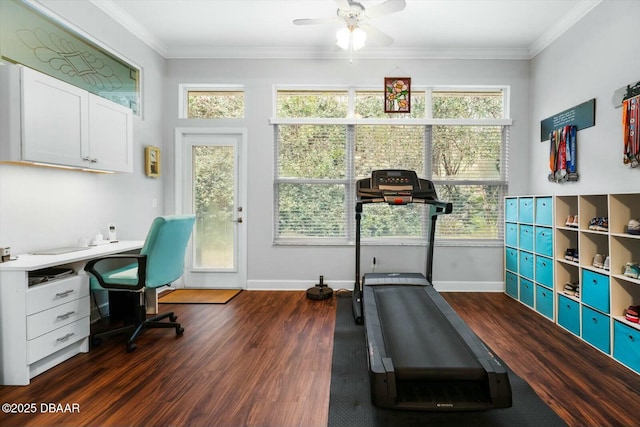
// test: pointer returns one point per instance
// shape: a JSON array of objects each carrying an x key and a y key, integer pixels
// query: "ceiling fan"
[{"x": 356, "y": 17}]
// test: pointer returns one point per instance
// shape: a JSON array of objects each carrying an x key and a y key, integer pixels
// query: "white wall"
[
  {"x": 600, "y": 54},
  {"x": 299, "y": 267},
  {"x": 42, "y": 208}
]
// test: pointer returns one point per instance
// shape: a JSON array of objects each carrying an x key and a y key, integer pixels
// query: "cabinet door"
[
  {"x": 54, "y": 125},
  {"x": 110, "y": 135}
]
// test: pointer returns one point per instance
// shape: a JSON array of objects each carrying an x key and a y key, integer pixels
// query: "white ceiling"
[{"x": 517, "y": 29}]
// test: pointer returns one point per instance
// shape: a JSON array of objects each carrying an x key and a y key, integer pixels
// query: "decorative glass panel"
[{"x": 30, "y": 38}]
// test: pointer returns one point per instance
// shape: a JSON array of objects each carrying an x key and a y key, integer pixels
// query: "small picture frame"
[
  {"x": 397, "y": 94},
  {"x": 152, "y": 161}
]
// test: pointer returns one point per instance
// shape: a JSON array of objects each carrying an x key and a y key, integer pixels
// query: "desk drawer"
[
  {"x": 54, "y": 318},
  {"x": 56, "y": 340},
  {"x": 57, "y": 292}
]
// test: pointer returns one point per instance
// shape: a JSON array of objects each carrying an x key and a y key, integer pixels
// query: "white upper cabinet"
[
  {"x": 110, "y": 135},
  {"x": 54, "y": 120},
  {"x": 49, "y": 121}
]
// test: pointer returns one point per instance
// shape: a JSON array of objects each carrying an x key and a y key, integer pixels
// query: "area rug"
[
  {"x": 350, "y": 399},
  {"x": 198, "y": 296}
]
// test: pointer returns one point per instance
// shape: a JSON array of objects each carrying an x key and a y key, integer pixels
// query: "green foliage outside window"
[
  {"x": 215, "y": 105},
  {"x": 470, "y": 154}
]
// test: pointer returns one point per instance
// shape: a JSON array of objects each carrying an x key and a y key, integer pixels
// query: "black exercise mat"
[{"x": 350, "y": 399}]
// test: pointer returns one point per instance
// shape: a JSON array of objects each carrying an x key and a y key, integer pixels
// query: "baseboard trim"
[{"x": 301, "y": 285}]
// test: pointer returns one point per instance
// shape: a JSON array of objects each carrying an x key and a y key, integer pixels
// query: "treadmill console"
[
  {"x": 392, "y": 179},
  {"x": 396, "y": 187}
]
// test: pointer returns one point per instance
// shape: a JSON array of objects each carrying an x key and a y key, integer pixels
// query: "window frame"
[
  {"x": 185, "y": 88},
  {"x": 351, "y": 122}
]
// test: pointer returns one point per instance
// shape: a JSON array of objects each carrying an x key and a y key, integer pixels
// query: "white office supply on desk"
[{"x": 56, "y": 312}]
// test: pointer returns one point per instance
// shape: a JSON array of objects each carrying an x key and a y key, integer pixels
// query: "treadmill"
[{"x": 421, "y": 354}]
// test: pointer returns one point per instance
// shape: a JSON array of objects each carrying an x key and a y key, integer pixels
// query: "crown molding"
[
  {"x": 561, "y": 26},
  {"x": 206, "y": 52},
  {"x": 133, "y": 26},
  {"x": 200, "y": 52}
]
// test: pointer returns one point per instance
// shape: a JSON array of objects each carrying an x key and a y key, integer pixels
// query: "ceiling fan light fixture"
[{"x": 351, "y": 37}]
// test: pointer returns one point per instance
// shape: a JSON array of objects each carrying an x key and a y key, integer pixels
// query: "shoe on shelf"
[
  {"x": 576, "y": 223},
  {"x": 632, "y": 314},
  {"x": 633, "y": 227},
  {"x": 599, "y": 224},
  {"x": 576, "y": 257},
  {"x": 569, "y": 221},
  {"x": 570, "y": 289},
  {"x": 598, "y": 261},
  {"x": 570, "y": 254},
  {"x": 632, "y": 270},
  {"x": 607, "y": 263}
]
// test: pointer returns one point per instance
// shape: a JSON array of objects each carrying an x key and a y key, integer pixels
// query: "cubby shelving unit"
[{"x": 536, "y": 269}]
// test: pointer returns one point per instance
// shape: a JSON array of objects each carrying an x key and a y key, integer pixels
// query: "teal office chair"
[{"x": 159, "y": 263}]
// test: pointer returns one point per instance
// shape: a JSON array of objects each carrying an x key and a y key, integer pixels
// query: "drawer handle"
[
  {"x": 66, "y": 337},
  {"x": 631, "y": 338},
  {"x": 64, "y": 294},
  {"x": 66, "y": 315},
  {"x": 594, "y": 320}
]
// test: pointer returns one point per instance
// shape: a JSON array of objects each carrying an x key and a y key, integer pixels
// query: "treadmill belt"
[{"x": 420, "y": 340}]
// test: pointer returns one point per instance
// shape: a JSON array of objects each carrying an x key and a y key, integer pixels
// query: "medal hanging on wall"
[
  {"x": 562, "y": 154},
  {"x": 630, "y": 131}
]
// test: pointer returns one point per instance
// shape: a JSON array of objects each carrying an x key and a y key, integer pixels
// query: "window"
[
  {"x": 211, "y": 101},
  {"x": 326, "y": 140}
]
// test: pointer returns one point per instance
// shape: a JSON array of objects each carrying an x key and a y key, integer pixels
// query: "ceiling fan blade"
[
  {"x": 390, "y": 6},
  {"x": 376, "y": 36},
  {"x": 313, "y": 21}
]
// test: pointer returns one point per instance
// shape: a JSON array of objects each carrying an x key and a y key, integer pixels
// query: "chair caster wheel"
[
  {"x": 179, "y": 330},
  {"x": 131, "y": 347},
  {"x": 173, "y": 318}
]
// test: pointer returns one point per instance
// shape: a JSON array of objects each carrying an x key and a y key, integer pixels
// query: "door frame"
[{"x": 181, "y": 202}]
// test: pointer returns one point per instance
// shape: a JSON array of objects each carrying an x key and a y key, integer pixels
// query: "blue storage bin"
[
  {"x": 544, "y": 241},
  {"x": 511, "y": 234},
  {"x": 511, "y": 259},
  {"x": 525, "y": 237},
  {"x": 595, "y": 290},
  {"x": 544, "y": 271},
  {"x": 525, "y": 210},
  {"x": 544, "y": 211},
  {"x": 569, "y": 314},
  {"x": 511, "y": 284},
  {"x": 511, "y": 209},
  {"x": 526, "y": 292},
  {"x": 525, "y": 267},
  {"x": 626, "y": 345},
  {"x": 596, "y": 329},
  {"x": 544, "y": 301}
]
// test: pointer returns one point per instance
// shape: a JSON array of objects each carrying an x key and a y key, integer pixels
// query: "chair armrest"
[{"x": 141, "y": 260}]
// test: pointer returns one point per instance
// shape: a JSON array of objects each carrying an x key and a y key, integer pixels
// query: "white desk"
[{"x": 46, "y": 324}]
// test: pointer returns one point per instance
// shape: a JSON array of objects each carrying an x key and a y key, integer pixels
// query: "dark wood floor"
[{"x": 264, "y": 359}]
